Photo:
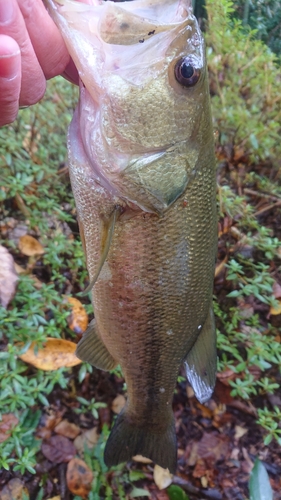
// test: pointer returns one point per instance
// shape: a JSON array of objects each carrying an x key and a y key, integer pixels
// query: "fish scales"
[{"x": 141, "y": 148}]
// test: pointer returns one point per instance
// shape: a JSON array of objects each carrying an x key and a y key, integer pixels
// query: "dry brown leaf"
[
  {"x": 211, "y": 447},
  {"x": 7, "y": 423},
  {"x": 78, "y": 319},
  {"x": 67, "y": 429},
  {"x": 162, "y": 477},
  {"x": 14, "y": 490},
  {"x": 88, "y": 438},
  {"x": 56, "y": 353},
  {"x": 118, "y": 404},
  {"x": 8, "y": 277},
  {"x": 29, "y": 246},
  {"x": 79, "y": 477},
  {"x": 58, "y": 449}
]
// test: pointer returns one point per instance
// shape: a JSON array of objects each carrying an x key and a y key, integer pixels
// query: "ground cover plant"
[{"x": 55, "y": 417}]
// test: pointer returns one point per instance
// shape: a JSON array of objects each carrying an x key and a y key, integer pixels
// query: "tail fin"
[{"x": 127, "y": 440}]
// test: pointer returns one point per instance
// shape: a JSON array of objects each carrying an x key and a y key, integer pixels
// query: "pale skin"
[{"x": 31, "y": 52}]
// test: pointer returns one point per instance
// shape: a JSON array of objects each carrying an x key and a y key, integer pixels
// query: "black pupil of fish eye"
[{"x": 187, "y": 71}]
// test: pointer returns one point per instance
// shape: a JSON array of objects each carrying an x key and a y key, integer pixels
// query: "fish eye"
[{"x": 185, "y": 73}]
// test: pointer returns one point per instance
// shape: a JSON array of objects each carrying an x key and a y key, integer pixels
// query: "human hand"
[{"x": 31, "y": 51}]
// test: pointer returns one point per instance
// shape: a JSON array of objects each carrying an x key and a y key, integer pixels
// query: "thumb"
[{"x": 10, "y": 79}]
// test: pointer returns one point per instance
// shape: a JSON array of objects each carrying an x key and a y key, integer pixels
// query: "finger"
[
  {"x": 46, "y": 39},
  {"x": 33, "y": 82},
  {"x": 10, "y": 79}
]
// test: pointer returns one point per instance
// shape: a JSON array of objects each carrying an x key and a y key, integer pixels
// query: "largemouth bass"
[{"x": 142, "y": 167}]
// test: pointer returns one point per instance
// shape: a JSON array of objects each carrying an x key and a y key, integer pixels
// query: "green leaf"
[
  {"x": 176, "y": 493},
  {"x": 139, "y": 492},
  {"x": 259, "y": 484},
  {"x": 136, "y": 475}
]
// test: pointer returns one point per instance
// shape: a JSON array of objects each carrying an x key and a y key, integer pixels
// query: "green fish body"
[{"x": 142, "y": 166}]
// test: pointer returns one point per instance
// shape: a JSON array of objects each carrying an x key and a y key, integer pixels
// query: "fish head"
[{"x": 144, "y": 83}]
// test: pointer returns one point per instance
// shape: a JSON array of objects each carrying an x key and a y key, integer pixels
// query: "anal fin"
[
  {"x": 201, "y": 361},
  {"x": 92, "y": 350}
]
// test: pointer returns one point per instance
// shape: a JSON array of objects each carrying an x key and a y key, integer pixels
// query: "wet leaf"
[
  {"x": 79, "y": 477},
  {"x": 56, "y": 353},
  {"x": 118, "y": 404},
  {"x": 14, "y": 490},
  {"x": 78, "y": 319},
  {"x": 88, "y": 438},
  {"x": 259, "y": 485},
  {"x": 8, "y": 422},
  {"x": 162, "y": 477},
  {"x": 8, "y": 277},
  {"x": 67, "y": 429},
  {"x": 29, "y": 246},
  {"x": 58, "y": 449},
  {"x": 212, "y": 447},
  {"x": 176, "y": 493}
]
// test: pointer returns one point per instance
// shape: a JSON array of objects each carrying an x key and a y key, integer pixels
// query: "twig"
[
  {"x": 261, "y": 195},
  {"x": 185, "y": 485},
  {"x": 268, "y": 207}
]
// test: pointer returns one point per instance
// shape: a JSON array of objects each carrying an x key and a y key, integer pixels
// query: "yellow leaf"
[
  {"x": 162, "y": 477},
  {"x": 276, "y": 310},
  {"x": 30, "y": 246},
  {"x": 78, "y": 319},
  {"x": 56, "y": 353}
]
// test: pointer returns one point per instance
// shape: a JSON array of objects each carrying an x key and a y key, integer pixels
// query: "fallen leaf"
[
  {"x": 56, "y": 353},
  {"x": 275, "y": 310},
  {"x": 239, "y": 432},
  {"x": 55, "y": 498},
  {"x": 142, "y": 460},
  {"x": 118, "y": 404},
  {"x": 8, "y": 277},
  {"x": 14, "y": 490},
  {"x": 88, "y": 438},
  {"x": 7, "y": 423},
  {"x": 67, "y": 429},
  {"x": 276, "y": 290},
  {"x": 58, "y": 449},
  {"x": 78, "y": 319},
  {"x": 162, "y": 477},
  {"x": 79, "y": 477},
  {"x": 211, "y": 447},
  {"x": 29, "y": 246}
]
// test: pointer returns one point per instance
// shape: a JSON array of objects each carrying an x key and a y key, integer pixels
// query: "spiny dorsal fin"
[
  {"x": 201, "y": 361},
  {"x": 107, "y": 234},
  {"x": 92, "y": 350}
]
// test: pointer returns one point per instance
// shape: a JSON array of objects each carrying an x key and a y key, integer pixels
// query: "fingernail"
[
  {"x": 6, "y": 11},
  {"x": 9, "y": 66}
]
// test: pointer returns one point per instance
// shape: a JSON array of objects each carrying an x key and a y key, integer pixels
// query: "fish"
[{"x": 143, "y": 173}]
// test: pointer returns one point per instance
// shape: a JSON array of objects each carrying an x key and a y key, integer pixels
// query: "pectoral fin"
[
  {"x": 156, "y": 181},
  {"x": 92, "y": 350},
  {"x": 201, "y": 361},
  {"x": 107, "y": 234}
]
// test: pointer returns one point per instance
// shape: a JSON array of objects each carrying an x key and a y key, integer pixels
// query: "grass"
[{"x": 35, "y": 193}]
